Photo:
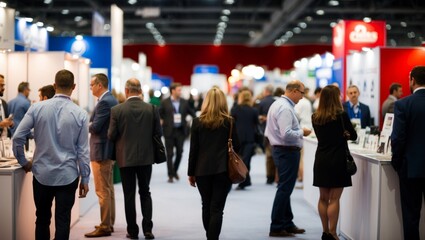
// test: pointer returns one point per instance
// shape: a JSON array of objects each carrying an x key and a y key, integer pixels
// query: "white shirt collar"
[{"x": 419, "y": 88}]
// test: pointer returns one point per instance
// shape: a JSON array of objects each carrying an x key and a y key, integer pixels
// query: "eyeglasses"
[{"x": 300, "y": 91}]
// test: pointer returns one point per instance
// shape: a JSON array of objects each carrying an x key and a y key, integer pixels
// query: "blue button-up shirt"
[
  {"x": 283, "y": 127},
  {"x": 61, "y": 137},
  {"x": 18, "y": 107}
]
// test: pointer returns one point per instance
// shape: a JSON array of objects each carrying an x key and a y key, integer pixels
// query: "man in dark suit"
[
  {"x": 132, "y": 128},
  {"x": 407, "y": 142},
  {"x": 173, "y": 112},
  {"x": 101, "y": 153},
  {"x": 5, "y": 122},
  {"x": 356, "y": 109}
]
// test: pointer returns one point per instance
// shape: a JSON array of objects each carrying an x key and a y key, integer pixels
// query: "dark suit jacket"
[
  {"x": 6, "y": 114},
  {"x": 166, "y": 112},
  {"x": 131, "y": 128},
  {"x": 100, "y": 147},
  {"x": 208, "y": 148},
  {"x": 408, "y": 136},
  {"x": 246, "y": 121},
  {"x": 365, "y": 119}
]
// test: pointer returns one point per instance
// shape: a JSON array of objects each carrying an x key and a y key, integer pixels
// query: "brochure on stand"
[{"x": 385, "y": 138}]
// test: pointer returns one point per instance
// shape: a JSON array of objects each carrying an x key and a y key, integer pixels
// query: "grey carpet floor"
[{"x": 177, "y": 209}]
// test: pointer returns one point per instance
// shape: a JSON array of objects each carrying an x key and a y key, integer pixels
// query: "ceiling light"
[
  {"x": 332, "y": 24},
  {"x": 3, "y": 4},
  {"x": 150, "y": 25},
  {"x": 40, "y": 24},
  {"x": 289, "y": 34},
  {"x": 28, "y": 19},
  {"x": 78, "y": 37},
  {"x": 388, "y": 26},
  {"x": 367, "y": 19},
  {"x": 224, "y": 18},
  {"x": 333, "y": 3},
  {"x": 296, "y": 30},
  {"x": 50, "y": 28},
  {"x": 320, "y": 12},
  {"x": 278, "y": 42},
  {"x": 65, "y": 11},
  {"x": 222, "y": 24},
  {"x": 229, "y": 2},
  {"x": 78, "y": 18},
  {"x": 411, "y": 35},
  {"x": 47, "y": 1},
  {"x": 226, "y": 11},
  {"x": 302, "y": 25},
  {"x": 107, "y": 27},
  {"x": 309, "y": 18},
  {"x": 403, "y": 24},
  {"x": 132, "y": 2},
  {"x": 251, "y": 34}
]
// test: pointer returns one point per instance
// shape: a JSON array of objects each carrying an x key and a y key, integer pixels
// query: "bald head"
[
  {"x": 133, "y": 87},
  {"x": 295, "y": 90}
]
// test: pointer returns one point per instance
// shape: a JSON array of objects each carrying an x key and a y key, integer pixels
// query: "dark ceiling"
[{"x": 249, "y": 22}]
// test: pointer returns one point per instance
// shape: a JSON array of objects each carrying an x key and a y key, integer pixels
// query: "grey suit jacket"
[
  {"x": 131, "y": 129},
  {"x": 100, "y": 147},
  {"x": 388, "y": 106}
]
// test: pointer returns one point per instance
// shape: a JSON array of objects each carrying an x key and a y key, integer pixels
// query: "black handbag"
[
  {"x": 350, "y": 166},
  {"x": 159, "y": 154}
]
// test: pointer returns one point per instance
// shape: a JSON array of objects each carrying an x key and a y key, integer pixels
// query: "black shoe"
[
  {"x": 327, "y": 236},
  {"x": 240, "y": 188},
  {"x": 282, "y": 233},
  {"x": 176, "y": 176},
  {"x": 270, "y": 180},
  {"x": 295, "y": 229},
  {"x": 149, "y": 235},
  {"x": 132, "y": 236}
]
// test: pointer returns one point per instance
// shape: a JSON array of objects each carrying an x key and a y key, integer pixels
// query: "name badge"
[{"x": 177, "y": 118}]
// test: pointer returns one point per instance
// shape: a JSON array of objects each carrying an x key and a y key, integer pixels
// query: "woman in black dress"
[{"x": 329, "y": 166}]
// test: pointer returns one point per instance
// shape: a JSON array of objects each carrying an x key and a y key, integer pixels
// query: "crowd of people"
[{"x": 68, "y": 141}]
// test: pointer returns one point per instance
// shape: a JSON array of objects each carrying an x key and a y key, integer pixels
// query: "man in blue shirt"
[
  {"x": 19, "y": 105},
  {"x": 61, "y": 157},
  {"x": 286, "y": 137}
]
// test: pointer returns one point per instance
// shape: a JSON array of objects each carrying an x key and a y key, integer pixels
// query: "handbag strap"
[
  {"x": 347, "y": 150},
  {"x": 229, "y": 142}
]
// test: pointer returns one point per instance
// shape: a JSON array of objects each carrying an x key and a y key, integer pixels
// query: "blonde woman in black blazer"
[{"x": 208, "y": 159}]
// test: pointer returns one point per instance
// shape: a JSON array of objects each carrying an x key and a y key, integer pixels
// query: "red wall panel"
[{"x": 178, "y": 61}]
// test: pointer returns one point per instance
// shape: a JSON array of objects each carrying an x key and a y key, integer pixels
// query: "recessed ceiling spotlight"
[
  {"x": 403, "y": 24},
  {"x": 411, "y": 35},
  {"x": 47, "y": 1},
  {"x": 3, "y": 4},
  {"x": 332, "y": 24},
  {"x": 50, "y": 28},
  {"x": 132, "y": 2},
  {"x": 229, "y": 2},
  {"x": 40, "y": 24},
  {"x": 78, "y": 18},
  {"x": 302, "y": 25},
  {"x": 333, "y": 3},
  {"x": 320, "y": 12},
  {"x": 278, "y": 42},
  {"x": 296, "y": 30},
  {"x": 226, "y": 11},
  {"x": 388, "y": 26},
  {"x": 309, "y": 18},
  {"x": 150, "y": 25},
  {"x": 65, "y": 11},
  {"x": 367, "y": 19},
  {"x": 224, "y": 18},
  {"x": 28, "y": 19}
]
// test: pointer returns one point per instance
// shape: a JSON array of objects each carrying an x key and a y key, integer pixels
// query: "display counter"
[
  {"x": 17, "y": 204},
  {"x": 371, "y": 208}
]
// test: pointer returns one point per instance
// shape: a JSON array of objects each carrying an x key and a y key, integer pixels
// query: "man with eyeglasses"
[{"x": 286, "y": 137}]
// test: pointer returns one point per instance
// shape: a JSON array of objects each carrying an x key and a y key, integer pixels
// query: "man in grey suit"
[
  {"x": 396, "y": 92},
  {"x": 131, "y": 128},
  {"x": 101, "y": 154}
]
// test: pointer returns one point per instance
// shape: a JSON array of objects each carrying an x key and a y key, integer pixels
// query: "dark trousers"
[
  {"x": 247, "y": 151},
  {"x": 287, "y": 163},
  {"x": 213, "y": 190},
  {"x": 64, "y": 201},
  {"x": 129, "y": 175},
  {"x": 412, "y": 193},
  {"x": 175, "y": 140}
]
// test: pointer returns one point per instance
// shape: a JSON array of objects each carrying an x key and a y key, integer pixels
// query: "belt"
[{"x": 288, "y": 148}]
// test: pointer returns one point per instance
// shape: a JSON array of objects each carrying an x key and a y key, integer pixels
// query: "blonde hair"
[
  {"x": 245, "y": 98},
  {"x": 329, "y": 105},
  {"x": 214, "y": 109}
]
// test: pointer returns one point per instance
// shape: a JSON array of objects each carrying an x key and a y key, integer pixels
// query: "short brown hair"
[
  {"x": 102, "y": 79},
  {"x": 47, "y": 91},
  {"x": 64, "y": 80}
]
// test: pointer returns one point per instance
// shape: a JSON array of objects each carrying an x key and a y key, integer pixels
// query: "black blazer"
[
  {"x": 6, "y": 114},
  {"x": 208, "y": 148},
  {"x": 364, "y": 109},
  {"x": 246, "y": 121},
  {"x": 407, "y": 138},
  {"x": 166, "y": 113}
]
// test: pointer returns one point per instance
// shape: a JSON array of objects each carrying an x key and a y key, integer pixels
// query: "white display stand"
[
  {"x": 371, "y": 208},
  {"x": 39, "y": 69},
  {"x": 17, "y": 205}
]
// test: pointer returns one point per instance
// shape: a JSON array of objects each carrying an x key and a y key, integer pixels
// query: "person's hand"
[
  {"x": 306, "y": 131},
  {"x": 7, "y": 122},
  {"x": 84, "y": 189},
  {"x": 192, "y": 181},
  {"x": 28, "y": 166}
]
